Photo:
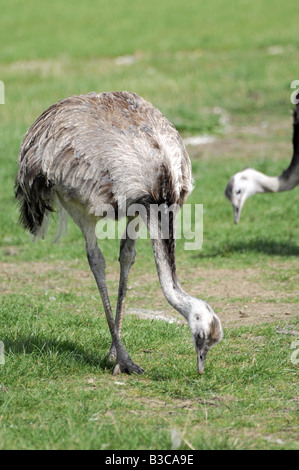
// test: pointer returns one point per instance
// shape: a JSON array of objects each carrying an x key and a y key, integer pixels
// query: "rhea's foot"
[
  {"x": 128, "y": 367},
  {"x": 111, "y": 354}
]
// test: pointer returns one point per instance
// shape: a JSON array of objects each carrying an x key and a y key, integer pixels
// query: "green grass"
[
  {"x": 56, "y": 388},
  {"x": 58, "y": 391}
]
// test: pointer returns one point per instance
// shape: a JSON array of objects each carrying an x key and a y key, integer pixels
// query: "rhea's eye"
[
  {"x": 197, "y": 318},
  {"x": 238, "y": 191}
]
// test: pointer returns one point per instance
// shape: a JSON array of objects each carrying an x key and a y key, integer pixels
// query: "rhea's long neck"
[
  {"x": 265, "y": 184},
  {"x": 165, "y": 263},
  {"x": 274, "y": 184}
]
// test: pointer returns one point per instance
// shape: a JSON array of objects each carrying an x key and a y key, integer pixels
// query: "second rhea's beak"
[{"x": 237, "y": 213}]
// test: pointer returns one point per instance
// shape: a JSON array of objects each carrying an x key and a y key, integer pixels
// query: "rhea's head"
[
  {"x": 239, "y": 188},
  {"x": 206, "y": 330}
]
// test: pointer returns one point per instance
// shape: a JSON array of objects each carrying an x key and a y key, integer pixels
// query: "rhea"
[
  {"x": 88, "y": 152},
  {"x": 248, "y": 182}
]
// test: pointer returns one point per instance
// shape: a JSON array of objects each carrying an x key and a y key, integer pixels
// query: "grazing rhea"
[
  {"x": 91, "y": 150},
  {"x": 250, "y": 181}
]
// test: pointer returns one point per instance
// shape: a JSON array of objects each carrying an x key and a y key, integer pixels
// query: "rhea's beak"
[
  {"x": 237, "y": 212},
  {"x": 201, "y": 357}
]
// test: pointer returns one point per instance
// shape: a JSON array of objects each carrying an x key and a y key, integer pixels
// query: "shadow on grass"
[
  {"x": 41, "y": 346},
  {"x": 258, "y": 245}
]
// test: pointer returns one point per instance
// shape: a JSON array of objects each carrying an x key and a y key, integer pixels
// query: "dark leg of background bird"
[
  {"x": 126, "y": 258},
  {"x": 97, "y": 265}
]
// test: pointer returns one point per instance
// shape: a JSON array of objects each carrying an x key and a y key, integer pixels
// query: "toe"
[{"x": 127, "y": 368}]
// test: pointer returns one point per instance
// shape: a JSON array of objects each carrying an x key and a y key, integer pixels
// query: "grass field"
[{"x": 217, "y": 68}]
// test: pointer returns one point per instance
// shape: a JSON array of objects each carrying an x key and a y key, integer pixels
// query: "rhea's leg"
[
  {"x": 126, "y": 258},
  {"x": 97, "y": 265}
]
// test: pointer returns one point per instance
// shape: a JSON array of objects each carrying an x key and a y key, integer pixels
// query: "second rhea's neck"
[{"x": 265, "y": 183}]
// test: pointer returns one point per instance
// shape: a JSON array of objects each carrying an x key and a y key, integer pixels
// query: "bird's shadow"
[
  {"x": 41, "y": 346},
  {"x": 258, "y": 245}
]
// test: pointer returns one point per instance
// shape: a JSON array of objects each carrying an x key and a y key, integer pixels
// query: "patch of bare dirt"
[
  {"x": 239, "y": 297},
  {"x": 234, "y": 314},
  {"x": 15, "y": 277},
  {"x": 272, "y": 139}
]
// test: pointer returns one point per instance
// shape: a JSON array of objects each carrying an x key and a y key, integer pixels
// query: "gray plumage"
[
  {"x": 90, "y": 150},
  {"x": 249, "y": 181}
]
